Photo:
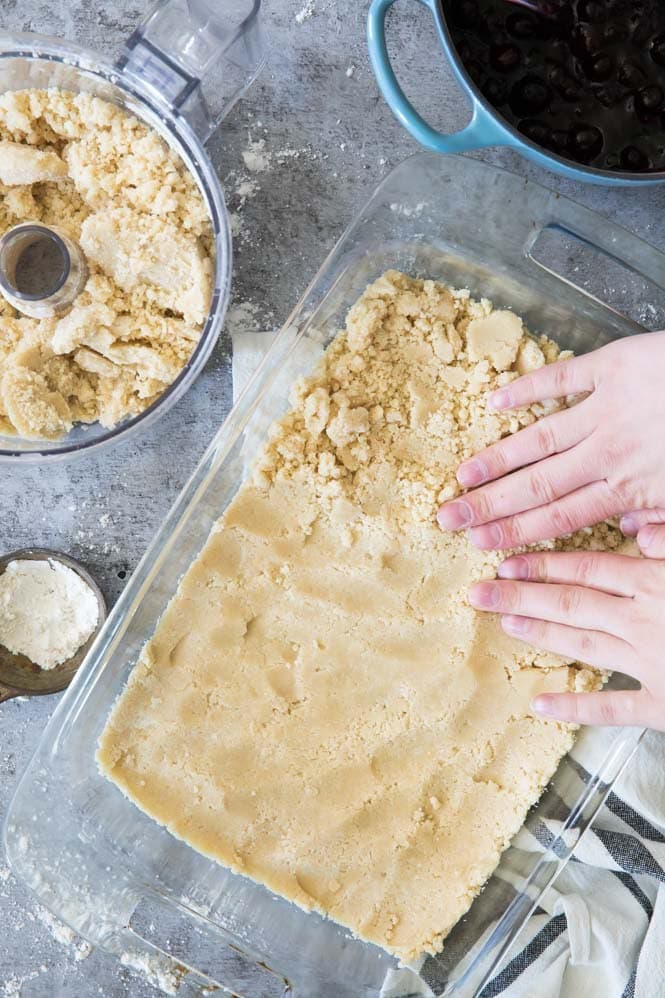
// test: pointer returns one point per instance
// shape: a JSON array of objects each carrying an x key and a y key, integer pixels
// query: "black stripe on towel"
[
  {"x": 622, "y": 810},
  {"x": 636, "y": 891},
  {"x": 551, "y": 842},
  {"x": 549, "y": 933},
  {"x": 629, "y": 853},
  {"x": 634, "y": 820},
  {"x": 629, "y": 990}
]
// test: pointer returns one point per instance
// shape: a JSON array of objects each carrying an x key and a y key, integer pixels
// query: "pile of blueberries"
[{"x": 586, "y": 82}]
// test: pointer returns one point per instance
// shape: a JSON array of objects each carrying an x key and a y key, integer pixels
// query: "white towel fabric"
[{"x": 600, "y": 929}]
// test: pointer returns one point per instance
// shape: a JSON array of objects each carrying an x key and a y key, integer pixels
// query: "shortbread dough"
[
  {"x": 320, "y": 708},
  {"x": 114, "y": 186}
]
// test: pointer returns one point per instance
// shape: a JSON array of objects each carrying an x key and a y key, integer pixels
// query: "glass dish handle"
[
  {"x": 197, "y": 57},
  {"x": 598, "y": 233}
]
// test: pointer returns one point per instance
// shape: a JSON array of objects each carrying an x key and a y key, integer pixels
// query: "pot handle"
[
  {"x": 481, "y": 131},
  {"x": 197, "y": 57}
]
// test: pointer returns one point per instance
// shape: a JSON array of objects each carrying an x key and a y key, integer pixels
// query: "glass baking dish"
[{"x": 124, "y": 882}]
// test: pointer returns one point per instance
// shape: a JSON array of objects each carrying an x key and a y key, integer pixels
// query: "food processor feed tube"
[{"x": 198, "y": 56}]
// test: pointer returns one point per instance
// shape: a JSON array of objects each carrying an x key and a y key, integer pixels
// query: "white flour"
[
  {"x": 154, "y": 968},
  {"x": 46, "y": 611},
  {"x": 255, "y": 156},
  {"x": 305, "y": 13}
]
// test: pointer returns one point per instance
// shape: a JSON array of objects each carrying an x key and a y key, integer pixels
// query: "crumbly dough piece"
[
  {"x": 21, "y": 165},
  {"x": 320, "y": 708},
  {"x": 139, "y": 250},
  {"x": 113, "y": 185}
]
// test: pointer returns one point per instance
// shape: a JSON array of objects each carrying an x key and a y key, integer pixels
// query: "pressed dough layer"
[
  {"x": 320, "y": 708},
  {"x": 112, "y": 185}
]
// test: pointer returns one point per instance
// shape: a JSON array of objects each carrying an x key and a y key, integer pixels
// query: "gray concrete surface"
[{"x": 104, "y": 511}]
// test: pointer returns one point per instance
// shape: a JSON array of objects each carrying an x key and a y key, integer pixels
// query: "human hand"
[
  {"x": 602, "y": 609},
  {"x": 603, "y": 457}
]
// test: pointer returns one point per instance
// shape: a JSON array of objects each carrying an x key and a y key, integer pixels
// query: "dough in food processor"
[
  {"x": 113, "y": 185},
  {"x": 320, "y": 708}
]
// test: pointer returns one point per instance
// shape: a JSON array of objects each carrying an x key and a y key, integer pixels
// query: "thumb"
[{"x": 651, "y": 540}]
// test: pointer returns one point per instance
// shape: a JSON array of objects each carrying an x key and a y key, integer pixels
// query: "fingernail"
[
  {"x": 455, "y": 515},
  {"x": 542, "y": 705},
  {"x": 489, "y": 536},
  {"x": 646, "y": 536},
  {"x": 629, "y": 525},
  {"x": 514, "y": 624},
  {"x": 500, "y": 400},
  {"x": 514, "y": 568},
  {"x": 485, "y": 595},
  {"x": 472, "y": 473}
]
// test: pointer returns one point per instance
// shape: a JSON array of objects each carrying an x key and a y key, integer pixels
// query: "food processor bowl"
[{"x": 180, "y": 73}]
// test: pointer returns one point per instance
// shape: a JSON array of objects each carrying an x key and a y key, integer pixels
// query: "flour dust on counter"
[{"x": 319, "y": 707}]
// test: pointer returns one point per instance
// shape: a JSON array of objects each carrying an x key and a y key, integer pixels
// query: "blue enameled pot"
[{"x": 486, "y": 127}]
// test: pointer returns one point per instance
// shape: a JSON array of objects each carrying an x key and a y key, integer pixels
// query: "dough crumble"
[{"x": 320, "y": 708}]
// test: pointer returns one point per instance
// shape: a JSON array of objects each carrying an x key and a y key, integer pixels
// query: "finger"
[
  {"x": 630, "y": 523},
  {"x": 553, "y": 381},
  {"x": 560, "y": 604},
  {"x": 629, "y": 707},
  {"x": 528, "y": 488},
  {"x": 588, "y": 505},
  {"x": 556, "y": 433},
  {"x": 603, "y": 651},
  {"x": 616, "y": 574},
  {"x": 651, "y": 540}
]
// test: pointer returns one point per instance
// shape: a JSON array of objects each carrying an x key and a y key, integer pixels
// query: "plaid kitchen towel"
[{"x": 599, "y": 931}]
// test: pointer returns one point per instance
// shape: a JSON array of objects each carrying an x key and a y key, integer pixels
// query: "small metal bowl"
[{"x": 19, "y": 676}]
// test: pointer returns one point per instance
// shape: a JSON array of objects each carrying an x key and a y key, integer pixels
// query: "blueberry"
[
  {"x": 529, "y": 96},
  {"x": 630, "y": 75},
  {"x": 556, "y": 74},
  {"x": 609, "y": 94},
  {"x": 521, "y": 26},
  {"x": 559, "y": 140},
  {"x": 563, "y": 83},
  {"x": 504, "y": 58},
  {"x": 600, "y": 67},
  {"x": 633, "y": 159},
  {"x": 591, "y": 11},
  {"x": 571, "y": 92},
  {"x": 649, "y": 99},
  {"x": 496, "y": 91},
  {"x": 536, "y": 131},
  {"x": 658, "y": 49},
  {"x": 585, "y": 142}
]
